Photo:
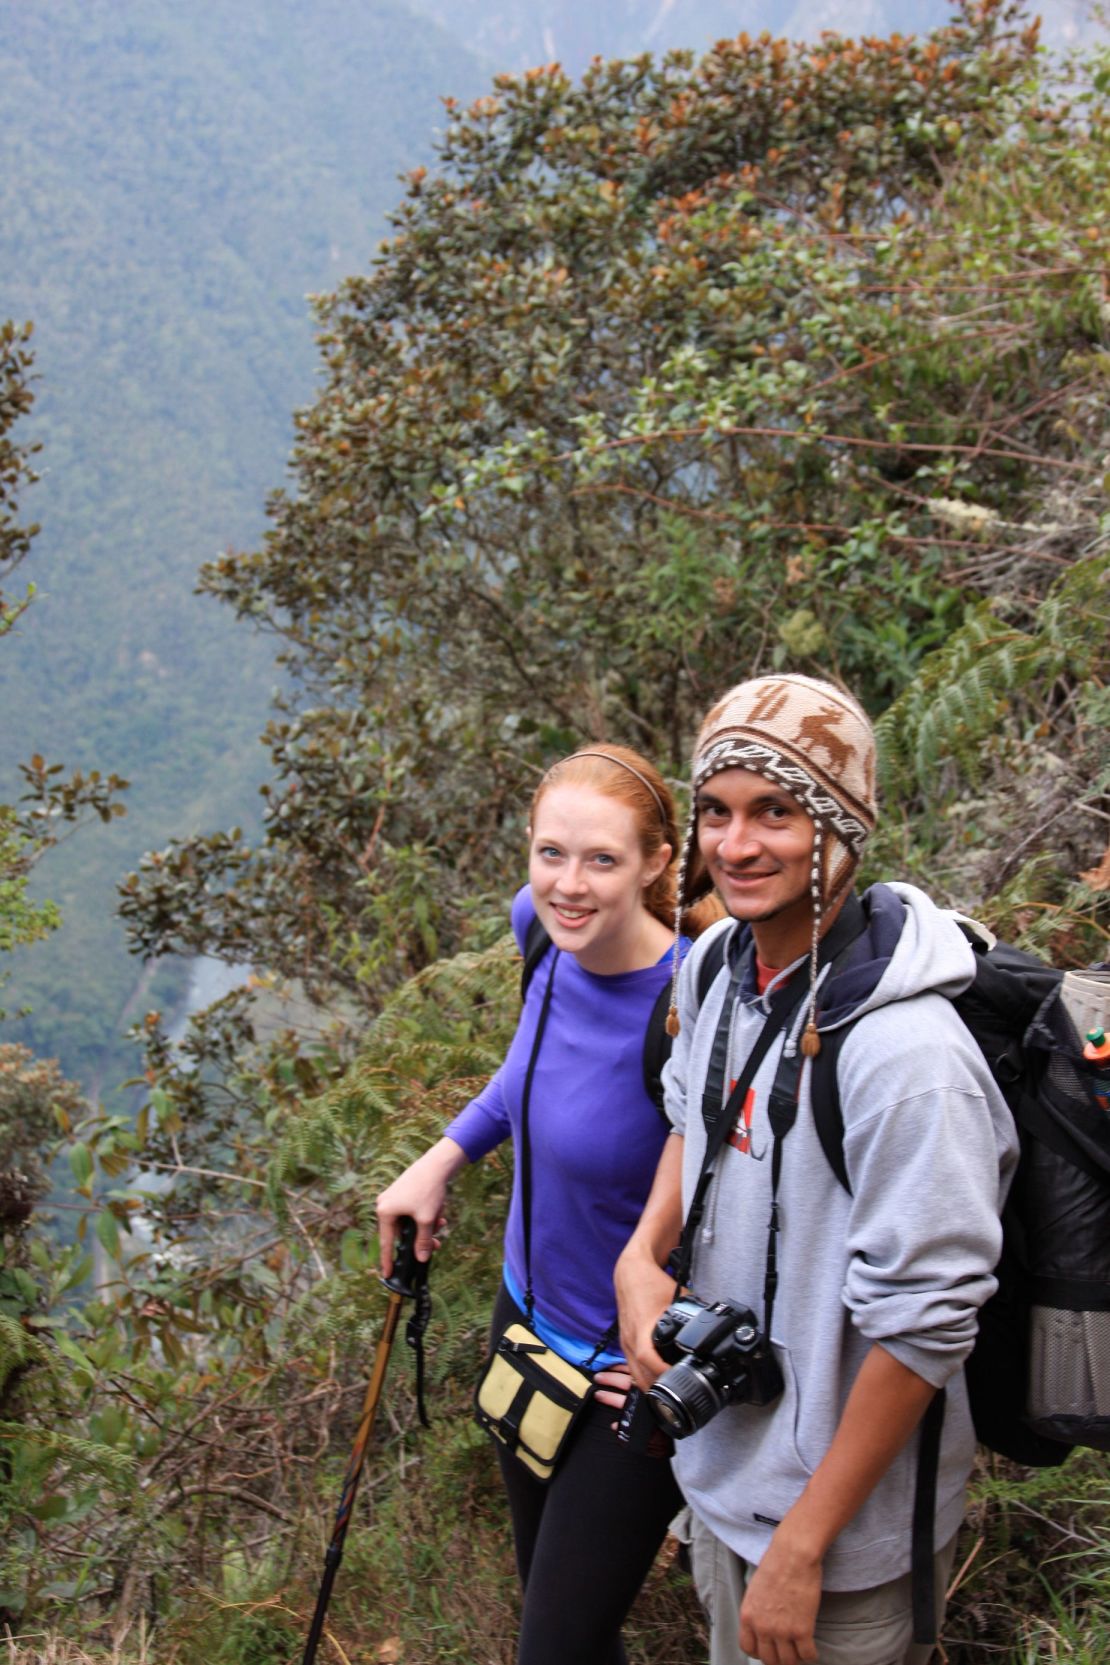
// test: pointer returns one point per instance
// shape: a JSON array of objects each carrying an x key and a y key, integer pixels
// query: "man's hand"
[
  {"x": 779, "y": 1609},
  {"x": 643, "y": 1291},
  {"x": 643, "y": 1288}
]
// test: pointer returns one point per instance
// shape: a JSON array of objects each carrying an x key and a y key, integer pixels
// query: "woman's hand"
[
  {"x": 420, "y": 1192},
  {"x": 614, "y": 1383}
]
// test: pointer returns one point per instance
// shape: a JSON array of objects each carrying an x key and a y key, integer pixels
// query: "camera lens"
[{"x": 683, "y": 1400}]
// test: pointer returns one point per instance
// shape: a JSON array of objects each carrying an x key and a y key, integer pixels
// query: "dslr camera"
[{"x": 717, "y": 1357}]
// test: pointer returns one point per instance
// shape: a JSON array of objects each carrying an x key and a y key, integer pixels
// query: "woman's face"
[{"x": 588, "y": 875}]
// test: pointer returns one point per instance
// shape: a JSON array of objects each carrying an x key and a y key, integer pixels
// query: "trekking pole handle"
[{"x": 409, "y": 1275}]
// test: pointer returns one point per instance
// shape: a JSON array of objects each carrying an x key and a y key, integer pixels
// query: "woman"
[{"x": 601, "y": 842}]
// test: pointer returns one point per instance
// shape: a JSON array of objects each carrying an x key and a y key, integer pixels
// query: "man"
[{"x": 802, "y": 1507}]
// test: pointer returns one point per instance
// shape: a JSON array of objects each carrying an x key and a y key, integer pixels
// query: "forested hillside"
[
  {"x": 672, "y": 372},
  {"x": 515, "y": 34},
  {"x": 174, "y": 180}
]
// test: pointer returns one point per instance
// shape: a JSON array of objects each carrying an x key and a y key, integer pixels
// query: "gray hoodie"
[{"x": 905, "y": 1260}]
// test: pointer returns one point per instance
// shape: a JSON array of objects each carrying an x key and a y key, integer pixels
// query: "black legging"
[{"x": 586, "y": 1539}]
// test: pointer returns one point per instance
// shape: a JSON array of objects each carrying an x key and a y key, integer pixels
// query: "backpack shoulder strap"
[
  {"x": 711, "y": 962},
  {"x": 997, "y": 1006},
  {"x": 657, "y": 1049},
  {"x": 824, "y": 1095},
  {"x": 824, "y": 1088},
  {"x": 657, "y": 1042},
  {"x": 536, "y": 944}
]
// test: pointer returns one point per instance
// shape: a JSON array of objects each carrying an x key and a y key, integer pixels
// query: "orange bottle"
[{"x": 1097, "y": 1053}]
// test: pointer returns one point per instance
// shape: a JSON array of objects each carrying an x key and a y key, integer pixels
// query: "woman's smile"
[{"x": 572, "y": 917}]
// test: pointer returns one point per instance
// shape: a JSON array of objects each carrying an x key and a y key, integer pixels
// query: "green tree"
[
  {"x": 36, "y": 1101},
  {"x": 16, "y": 471},
  {"x": 666, "y": 376},
  {"x": 51, "y": 804},
  {"x": 20, "y": 920}
]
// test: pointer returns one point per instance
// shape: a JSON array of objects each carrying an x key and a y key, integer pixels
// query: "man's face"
[{"x": 757, "y": 844}]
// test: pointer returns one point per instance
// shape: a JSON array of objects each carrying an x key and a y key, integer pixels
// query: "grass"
[
  {"x": 1035, "y": 1553},
  {"x": 428, "y": 1577},
  {"x": 40, "y": 1647}
]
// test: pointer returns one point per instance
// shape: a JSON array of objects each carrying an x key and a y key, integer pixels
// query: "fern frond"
[
  {"x": 436, "y": 1041},
  {"x": 85, "y": 1455},
  {"x": 15, "y": 1346},
  {"x": 1074, "y": 618},
  {"x": 956, "y": 706}
]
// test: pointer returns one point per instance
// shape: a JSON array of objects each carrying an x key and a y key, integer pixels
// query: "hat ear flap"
[{"x": 839, "y": 866}]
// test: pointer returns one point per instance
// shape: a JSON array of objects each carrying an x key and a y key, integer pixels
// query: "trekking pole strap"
[{"x": 414, "y": 1337}]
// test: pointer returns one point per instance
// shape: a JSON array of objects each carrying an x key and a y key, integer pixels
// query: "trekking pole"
[{"x": 407, "y": 1281}]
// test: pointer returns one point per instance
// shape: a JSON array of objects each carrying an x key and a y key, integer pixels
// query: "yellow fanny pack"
[{"x": 530, "y": 1399}]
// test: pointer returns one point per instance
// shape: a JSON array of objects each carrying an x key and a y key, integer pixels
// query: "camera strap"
[
  {"x": 783, "y": 1102},
  {"x": 784, "y": 1003}
]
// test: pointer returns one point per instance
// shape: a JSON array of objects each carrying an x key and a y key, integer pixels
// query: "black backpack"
[
  {"x": 657, "y": 1043},
  {"x": 1038, "y": 1377}
]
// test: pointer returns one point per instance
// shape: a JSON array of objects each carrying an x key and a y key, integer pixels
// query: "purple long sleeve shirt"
[{"x": 595, "y": 1134}]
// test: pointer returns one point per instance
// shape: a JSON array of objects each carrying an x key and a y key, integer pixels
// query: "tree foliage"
[
  {"x": 16, "y": 471},
  {"x": 667, "y": 376},
  {"x": 36, "y": 1101},
  {"x": 52, "y": 806},
  {"x": 21, "y": 920}
]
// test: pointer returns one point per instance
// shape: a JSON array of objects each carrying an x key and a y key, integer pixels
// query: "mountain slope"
[
  {"x": 519, "y": 33},
  {"x": 173, "y": 181}
]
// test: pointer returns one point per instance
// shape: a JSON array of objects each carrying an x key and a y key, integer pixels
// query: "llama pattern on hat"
[{"x": 816, "y": 730}]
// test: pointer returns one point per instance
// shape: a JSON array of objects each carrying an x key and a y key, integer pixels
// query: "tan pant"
[{"x": 854, "y": 1627}]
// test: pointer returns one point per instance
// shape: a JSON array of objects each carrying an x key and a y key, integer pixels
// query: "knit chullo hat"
[{"x": 813, "y": 741}]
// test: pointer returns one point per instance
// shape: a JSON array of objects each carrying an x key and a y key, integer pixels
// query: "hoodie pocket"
[
  {"x": 745, "y": 1465},
  {"x": 812, "y": 1423},
  {"x": 797, "y": 1457},
  {"x": 779, "y": 1470}
]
